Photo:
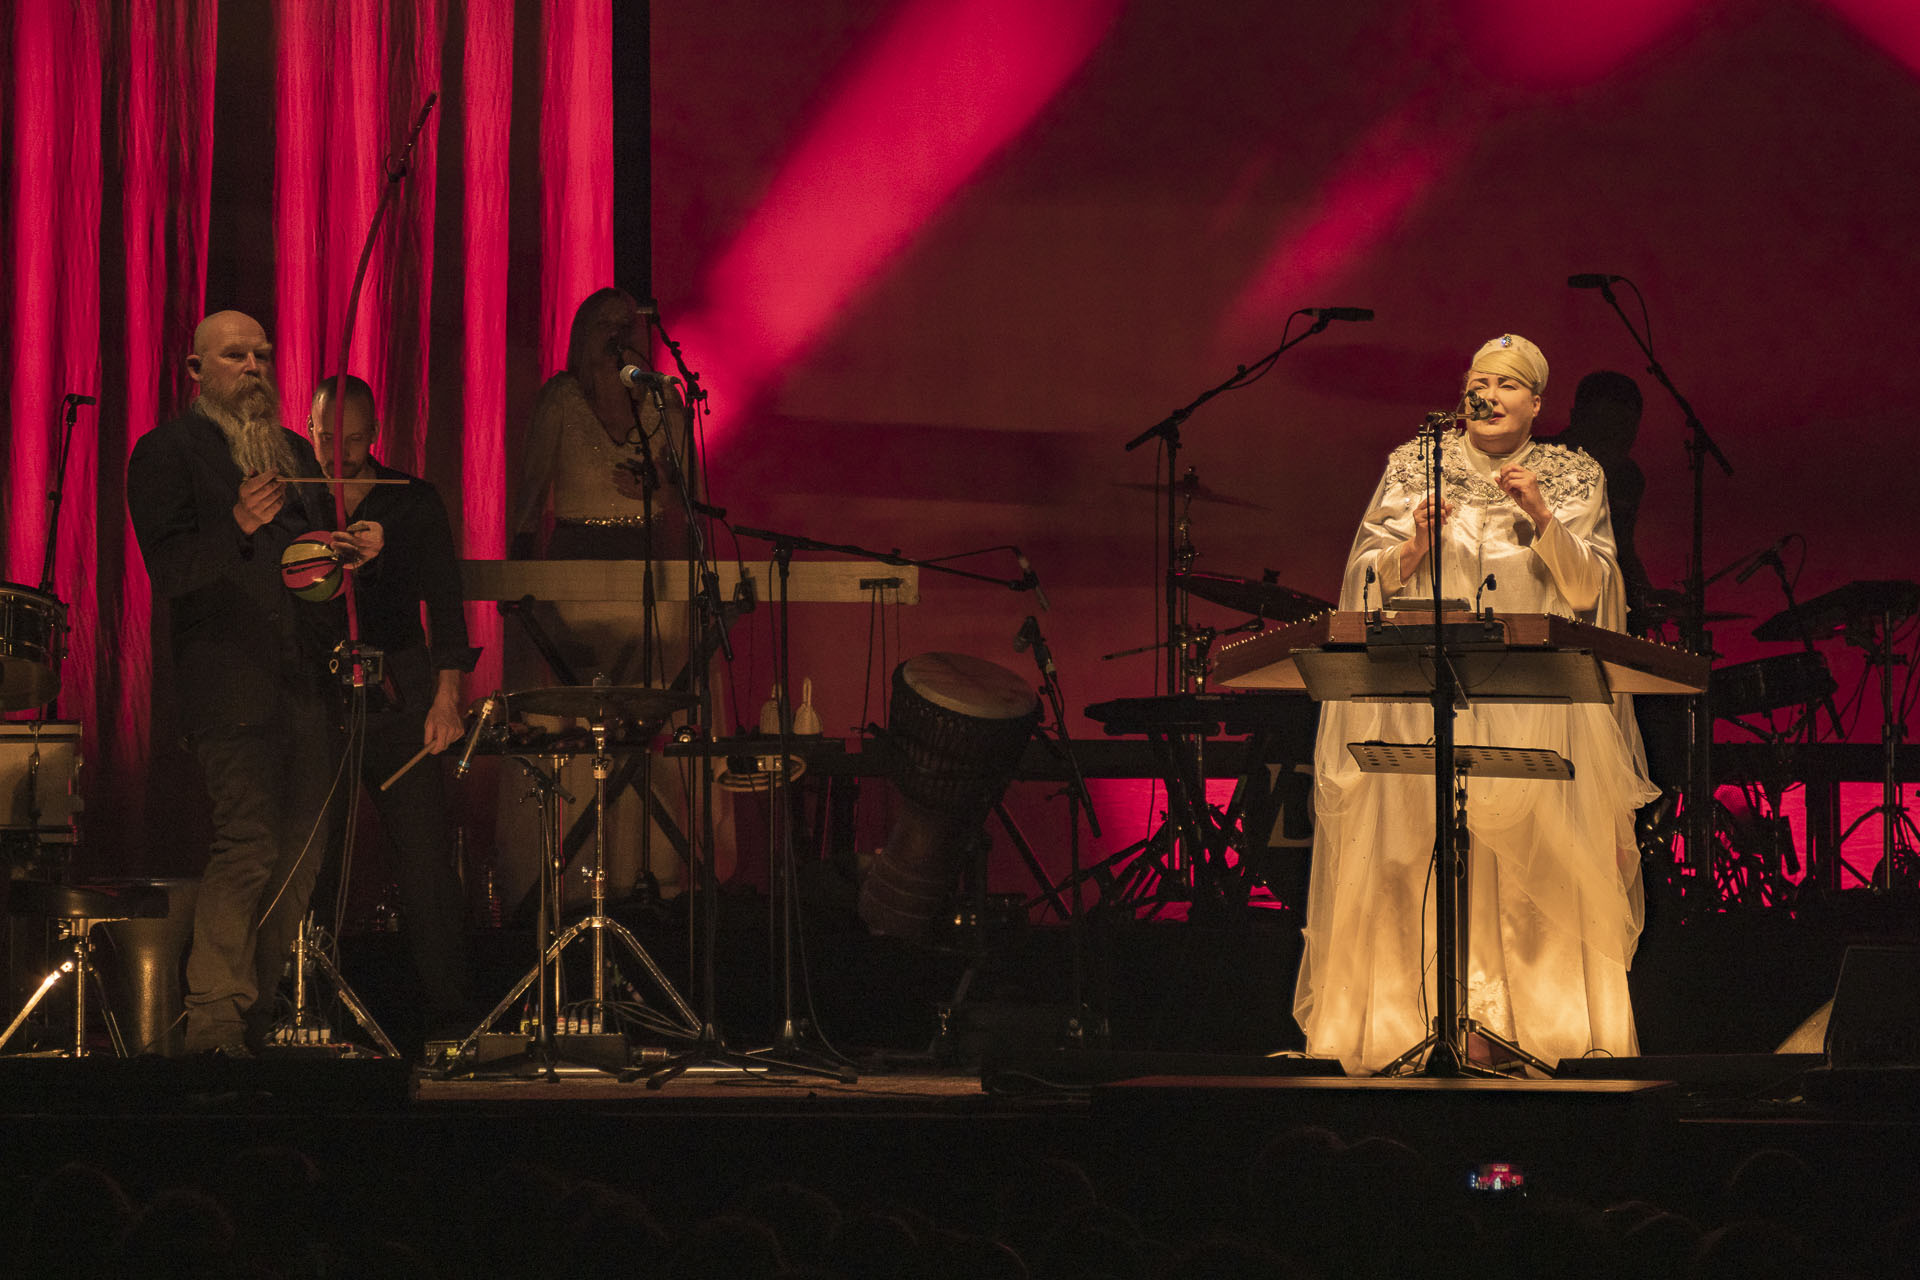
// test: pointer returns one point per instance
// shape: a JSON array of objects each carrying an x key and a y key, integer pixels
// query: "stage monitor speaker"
[
  {"x": 1876, "y": 1009},
  {"x": 1811, "y": 1035}
]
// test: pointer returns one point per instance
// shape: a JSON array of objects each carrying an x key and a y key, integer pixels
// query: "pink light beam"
[{"x": 936, "y": 95}]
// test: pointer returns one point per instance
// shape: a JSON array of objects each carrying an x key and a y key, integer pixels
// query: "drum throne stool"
[{"x": 76, "y": 909}]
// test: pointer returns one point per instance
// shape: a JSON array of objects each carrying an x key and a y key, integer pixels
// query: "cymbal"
[
  {"x": 1262, "y": 597},
  {"x": 1192, "y": 490},
  {"x": 602, "y": 702},
  {"x": 1865, "y": 601}
]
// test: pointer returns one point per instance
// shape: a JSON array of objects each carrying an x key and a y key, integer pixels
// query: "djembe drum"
[{"x": 955, "y": 731}]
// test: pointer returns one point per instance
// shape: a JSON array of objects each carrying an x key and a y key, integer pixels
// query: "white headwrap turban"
[{"x": 1512, "y": 356}]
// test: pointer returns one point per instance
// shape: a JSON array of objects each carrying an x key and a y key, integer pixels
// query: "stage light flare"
[
  {"x": 1894, "y": 25},
  {"x": 1383, "y": 178},
  {"x": 934, "y": 97}
]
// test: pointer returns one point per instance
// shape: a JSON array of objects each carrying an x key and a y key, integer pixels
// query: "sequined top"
[
  {"x": 571, "y": 458},
  {"x": 1567, "y": 568}
]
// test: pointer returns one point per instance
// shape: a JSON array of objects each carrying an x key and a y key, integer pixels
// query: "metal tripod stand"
[{"x": 545, "y": 1051}]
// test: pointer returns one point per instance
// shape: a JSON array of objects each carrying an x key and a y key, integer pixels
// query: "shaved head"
[
  {"x": 222, "y": 327},
  {"x": 232, "y": 360}
]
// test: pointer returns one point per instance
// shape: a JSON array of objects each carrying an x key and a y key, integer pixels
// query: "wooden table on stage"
[{"x": 810, "y": 581}]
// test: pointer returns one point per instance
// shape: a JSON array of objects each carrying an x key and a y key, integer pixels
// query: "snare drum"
[
  {"x": 33, "y": 639},
  {"x": 1769, "y": 684},
  {"x": 955, "y": 732}
]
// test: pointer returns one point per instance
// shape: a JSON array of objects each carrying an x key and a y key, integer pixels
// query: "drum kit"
[
  {"x": 40, "y": 759},
  {"x": 1194, "y": 858},
  {"x": 1865, "y": 614},
  {"x": 1778, "y": 700}
]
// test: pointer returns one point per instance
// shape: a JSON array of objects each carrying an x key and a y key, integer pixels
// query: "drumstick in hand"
[{"x": 418, "y": 756}]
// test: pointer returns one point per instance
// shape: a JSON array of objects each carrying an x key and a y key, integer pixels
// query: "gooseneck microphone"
[
  {"x": 1340, "y": 313},
  {"x": 1031, "y": 581},
  {"x": 1592, "y": 280},
  {"x": 1029, "y": 637},
  {"x": 473, "y": 735}
]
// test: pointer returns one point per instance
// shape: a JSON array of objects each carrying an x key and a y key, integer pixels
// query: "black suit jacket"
[{"x": 242, "y": 641}]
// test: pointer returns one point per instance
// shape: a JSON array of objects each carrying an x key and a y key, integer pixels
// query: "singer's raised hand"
[
  {"x": 1523, "y": 486},
  {"x": 1429, "y": 515}
]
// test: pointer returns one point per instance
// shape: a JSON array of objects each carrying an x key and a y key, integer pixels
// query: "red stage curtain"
[{"x": 167, "y": 158}]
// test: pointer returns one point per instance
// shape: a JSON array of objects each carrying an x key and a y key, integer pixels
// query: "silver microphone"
[
  {"x": 1479, "y": 408},
  {"x": 473, "y": 735},
  {"x": 634, "y": 377}
]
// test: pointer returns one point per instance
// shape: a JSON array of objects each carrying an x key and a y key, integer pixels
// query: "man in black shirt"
[
  {"x": 214, "y": 499},
  {"x": 424, "y": 669}
]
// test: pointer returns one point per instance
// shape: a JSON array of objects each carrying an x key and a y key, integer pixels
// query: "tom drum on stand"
[
  {"x": 33, "y": 634},
  {"x": 1769, "y": 684}
]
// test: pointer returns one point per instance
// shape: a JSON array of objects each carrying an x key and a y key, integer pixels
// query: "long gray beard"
[{"x": 253, "y": 433}]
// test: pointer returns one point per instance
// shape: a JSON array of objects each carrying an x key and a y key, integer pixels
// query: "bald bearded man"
[{"x": 213, "y": 504}]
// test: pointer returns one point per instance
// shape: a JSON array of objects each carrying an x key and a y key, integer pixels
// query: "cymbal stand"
[
  {"x": 1167, "y": 431},
  {"x": 311, "y": 952},
  {"x": 1810, "y": 723},
  {"x": 1899, "y": 867},
  {"x": 1179, "y": 546},
  {"x": 1696, "y": 819},
  {"x": 1184, "y": 859}
]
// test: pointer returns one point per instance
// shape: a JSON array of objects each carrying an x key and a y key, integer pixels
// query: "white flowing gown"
[{"x": 1555, "y": 900}]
